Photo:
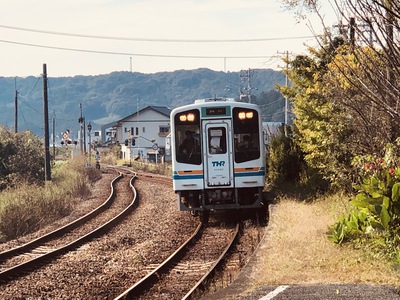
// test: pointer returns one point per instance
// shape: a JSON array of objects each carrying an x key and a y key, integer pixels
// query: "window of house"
[{"x": 164, "y": 129}]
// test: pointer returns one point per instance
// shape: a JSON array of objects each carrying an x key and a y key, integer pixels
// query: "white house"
[{"x": 142, "y": 134}]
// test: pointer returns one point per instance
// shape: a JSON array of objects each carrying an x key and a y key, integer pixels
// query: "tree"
[
  {"x": 370, "y": 66},
  {"x": 320, "y": 128},
  {"x": 346, "y": 93},
  {"x": 21, "y": 158}
]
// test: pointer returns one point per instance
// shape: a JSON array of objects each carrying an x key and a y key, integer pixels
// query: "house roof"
[{"x": 161, "y": 109}]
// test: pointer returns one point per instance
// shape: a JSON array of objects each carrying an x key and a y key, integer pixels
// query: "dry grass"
[
  {"x": 298, "y": 251},
  {"x": 27, "y": 207}
]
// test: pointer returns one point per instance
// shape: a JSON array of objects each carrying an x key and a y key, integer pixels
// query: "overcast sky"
[{"x": 90, "y": 37}]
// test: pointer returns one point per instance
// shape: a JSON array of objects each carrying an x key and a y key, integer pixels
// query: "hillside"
[{"x": 110, "y": 97}]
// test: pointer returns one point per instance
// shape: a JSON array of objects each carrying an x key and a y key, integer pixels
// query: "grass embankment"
[
  {"x": 29, "y": 207},
  {"x": 298, "y": 251}
]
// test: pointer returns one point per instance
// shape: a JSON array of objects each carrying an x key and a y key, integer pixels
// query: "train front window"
[
  {"x": 187, "y": 137},
  {"x": 217, "y": 140},
  {"x": 246, "y": 134}
]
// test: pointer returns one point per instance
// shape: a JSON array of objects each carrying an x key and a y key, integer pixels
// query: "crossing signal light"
[
  {"x": 126, "y": 142},
  {"x": 133, "y": 142}
]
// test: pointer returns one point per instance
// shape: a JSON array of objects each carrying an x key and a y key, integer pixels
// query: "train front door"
[{"x": 218, "y": 165}]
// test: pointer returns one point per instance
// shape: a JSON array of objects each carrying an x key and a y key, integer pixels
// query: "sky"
[{"x": 91, "y": 37}]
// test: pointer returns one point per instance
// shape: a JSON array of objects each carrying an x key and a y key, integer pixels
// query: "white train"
[{"x": 218, "y": 155}]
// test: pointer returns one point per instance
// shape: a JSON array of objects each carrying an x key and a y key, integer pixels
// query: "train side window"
[
  {"x": 246, "y": 134},
  {"x": 188, "y": 146},
  {"x": 247, "y": 143},
  {"x": 247, "y": 147},
  {"x": 187, "y": 137},
  {"x": 217, "y": 140}
]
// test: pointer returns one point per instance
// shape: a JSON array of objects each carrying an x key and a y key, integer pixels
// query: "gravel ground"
[{"x": 108, "y": 265}]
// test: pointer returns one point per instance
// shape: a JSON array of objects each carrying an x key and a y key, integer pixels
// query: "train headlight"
[
  {"x": 249, "y": 115},
  {"x": 190, "y": 117},
  {"x": 245, "y": 115}
]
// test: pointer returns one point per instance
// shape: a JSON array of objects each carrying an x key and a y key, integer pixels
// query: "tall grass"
[
  {"x": 27, "y": 208},
  {"x": 298, "y": 251}
]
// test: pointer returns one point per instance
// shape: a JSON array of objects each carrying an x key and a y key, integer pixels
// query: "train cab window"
[
  {"x": 187, "y": 137},
  {"x": 246, "y": 135},
  {"x": 217, "y": 140}
]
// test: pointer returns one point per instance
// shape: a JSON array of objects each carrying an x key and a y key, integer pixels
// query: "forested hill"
[{"x": 110, "y": 97}]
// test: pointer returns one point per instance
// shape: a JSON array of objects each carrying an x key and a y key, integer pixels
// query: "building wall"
[{"x": 146, "y": 132}]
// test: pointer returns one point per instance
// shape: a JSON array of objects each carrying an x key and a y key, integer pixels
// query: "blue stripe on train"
[
  {"x": 242, "y": 174},
  {"x": 180, "y": 177}
]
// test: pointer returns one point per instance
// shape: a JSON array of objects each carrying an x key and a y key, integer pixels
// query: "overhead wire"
[
  {"x": 154, "y": 39},
  {"x": 144, "y": 40},
  {"x": 130, "y": 54},
  {"x": 31, "y": 91}
]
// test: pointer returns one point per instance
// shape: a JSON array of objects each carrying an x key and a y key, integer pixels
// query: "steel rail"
[
  {"x": 151, "y": 277},
  {"x": 202, "y": 281},
  {"x": 26, "y": 266},
  {"x": 59, "y": 231}
]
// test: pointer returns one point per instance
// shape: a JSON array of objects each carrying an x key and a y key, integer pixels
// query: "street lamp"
[{"x": 89, "y": 127}]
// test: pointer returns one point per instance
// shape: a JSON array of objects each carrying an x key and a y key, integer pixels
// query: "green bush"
[
  {"x": 21, "y": 158},
  {"x": 284, "y": 160},
  {"x": 375, "y": 218}
]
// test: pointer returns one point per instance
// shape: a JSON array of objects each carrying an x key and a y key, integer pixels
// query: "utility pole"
[
  {"x": 224, "y": 64},
  {"x": 246, "y": 75},
  {"x": 54, "y": 136},
  {"x": 16, "y": 108},
  {"x": 286, "y": 53},
  {"x": 352, "y": 33},
  {"x": 138, "y": 126},
  {"x": 46, "y": 127},
  {"x": 81, "y": 121}
]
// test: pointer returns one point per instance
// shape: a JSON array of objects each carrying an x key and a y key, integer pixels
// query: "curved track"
[
  {"x": 70, "y": 236},
  {"x": 184, "y": 272}
]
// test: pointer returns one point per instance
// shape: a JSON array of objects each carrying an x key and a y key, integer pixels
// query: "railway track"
[
  {"x": 107, "y": 266},
  {"x": 17, "y": 261},
  {"x": 163, "y": 180},
  {"x": 184, "y": 273}
]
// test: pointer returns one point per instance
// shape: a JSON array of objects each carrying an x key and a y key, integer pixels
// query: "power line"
[
  {"x": 130, "y": 54},
  {"x": 31, "y": 91},
  {"x": 156, "y": 40},
  {"x": 270, "y": 103}
]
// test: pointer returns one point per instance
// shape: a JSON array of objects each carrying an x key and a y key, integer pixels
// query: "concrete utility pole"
[
  {"x": 81, "y": 121},
  {"x": 246, "y": 76},
  {"x": 54, "y": 136},
  {"x": 46, "y": 127},
  {"x": 286, "y": 84}
]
